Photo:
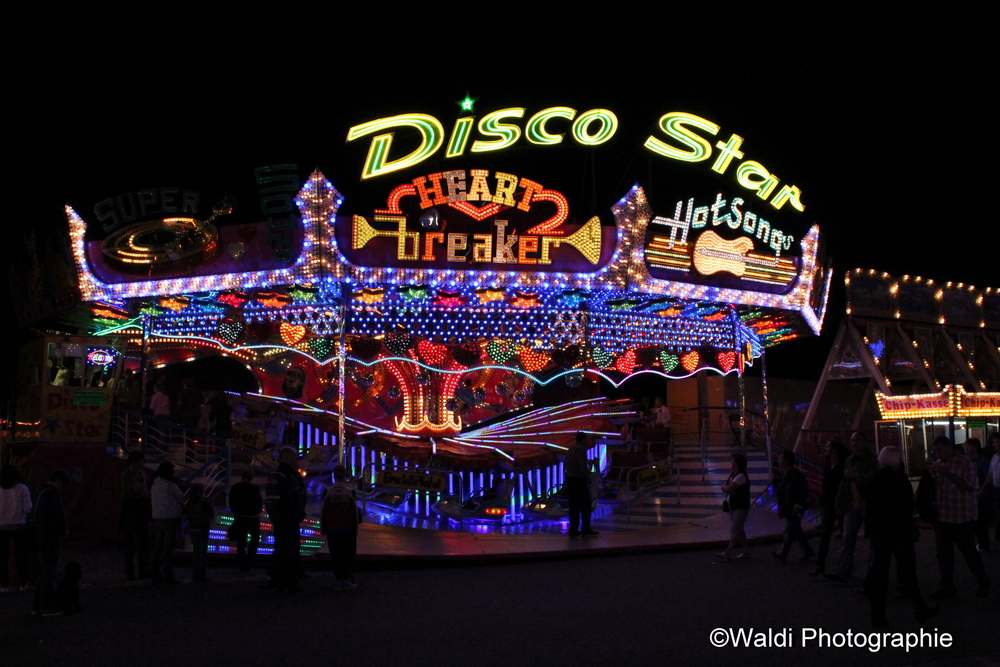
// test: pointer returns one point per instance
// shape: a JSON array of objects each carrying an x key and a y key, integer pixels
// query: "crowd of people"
[
  {"x": 872, "y": 498},
  {"x": 865, "y": 496}
]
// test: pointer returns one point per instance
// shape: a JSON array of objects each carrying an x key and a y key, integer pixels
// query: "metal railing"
[{"x": 196, "y": 455}]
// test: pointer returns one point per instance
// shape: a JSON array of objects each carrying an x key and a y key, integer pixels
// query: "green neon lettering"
[
  {"x": 491, "y": 126},
  {"x": 460, "y": 136},
  {"x": 675, "y": 124},
  {"x": 753, "y": 176},
  {"x": 788, "y": 194},
  {"x": 535, "y": 129},
  {"x": 378, "y": 163},
  {"x": 581, "y": 126},
  {"x": 728, "y": 151}
]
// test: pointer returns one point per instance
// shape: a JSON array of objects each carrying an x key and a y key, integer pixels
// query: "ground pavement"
[{"x": 475, "y": 599}]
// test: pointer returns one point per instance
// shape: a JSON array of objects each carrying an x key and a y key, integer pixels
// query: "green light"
[
  {"x": 459, "y": 136},
  {"x": 674, "y": 124},
  {"x": 432, "y": 136},
  {"x": 506, "y": 133},
  {"x": 535, "y": 129},
  {"x": 466, "y": 104},
  {"x": 608, "y": 126}
]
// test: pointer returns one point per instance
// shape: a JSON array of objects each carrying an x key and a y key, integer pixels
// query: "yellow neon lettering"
[
  {"x": 459, "y": 136},
  {"x": 753, "y": 176},
  {"x": 506, "y": 183},
  {"x": 480, "y": 189},
  {"x": 377, "y": 162},
  {"x": 788, "y": 194},
  {"x": 535, "y": 129},
  {"x": 491, "y": 126},
  {"x": 581, "y": 127},
  {"x": 728, "y": 151},
  {"x": 675, "y": 124}
]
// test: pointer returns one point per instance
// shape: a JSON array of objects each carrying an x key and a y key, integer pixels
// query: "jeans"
[
  {"x": 852, "y": 526},
  {"x": 163, "y": 549},
  {"x": 829, "y": 521}
]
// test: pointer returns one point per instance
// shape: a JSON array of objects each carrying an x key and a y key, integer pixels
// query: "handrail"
[
  {"x": 155, "y": 436},
  {"x": 628, "y": 486}
]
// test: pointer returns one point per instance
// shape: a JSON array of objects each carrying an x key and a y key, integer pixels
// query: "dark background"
[{"x": 881, "y": 119}]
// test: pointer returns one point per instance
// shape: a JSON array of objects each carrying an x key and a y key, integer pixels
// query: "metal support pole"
[
  {"x": 767, "y": 417},
  {"x": 345, "y": 294},
  {"x": 143, "y": 380}
]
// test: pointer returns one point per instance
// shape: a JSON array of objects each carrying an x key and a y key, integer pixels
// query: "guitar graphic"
[{"x": 714, "y": 254}]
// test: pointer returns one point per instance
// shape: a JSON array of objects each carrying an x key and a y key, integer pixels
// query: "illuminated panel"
[{"x": 318, "y": 202}]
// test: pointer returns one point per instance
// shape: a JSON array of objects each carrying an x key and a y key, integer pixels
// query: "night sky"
[{"x": 880, "y": 119}]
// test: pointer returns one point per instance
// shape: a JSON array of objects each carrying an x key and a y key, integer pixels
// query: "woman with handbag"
[{"x": 737, "y": 488}]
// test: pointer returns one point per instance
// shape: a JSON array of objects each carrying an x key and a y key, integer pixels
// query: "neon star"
[
  {"x": 107, "y": 314},
  {"x": 234, "y": 299},
  {"x": 273, "y": 299},
  {"x": 466, "y": 104},
  {"x": 175, "y": 304},
  {"x": 414, "y": 292},
  {"x": 487, "y": 295},
  {"x": 525, "y": 300},
  {"x": 572, "y": 298},
  {"x": 449, "y": 299},
  {"x": 150, "y": 309},
  {"x": 370, "y": 296},
  {"x": 300, "y": 293}
]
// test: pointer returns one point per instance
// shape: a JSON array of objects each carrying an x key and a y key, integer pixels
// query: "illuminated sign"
[
  {"x": 417, "y": 481},
  {"x": 915, "y": 406},
  {"x": 100, "y": 357},
  {"x": 684, "y": 141},
  {"x": 953, "y": 401},
  {"x": 690, "y": 242},
  {"x": 981, "y": 404},
  {"x": 498, "y": 130},
  {"x": 476, "y": 219}
]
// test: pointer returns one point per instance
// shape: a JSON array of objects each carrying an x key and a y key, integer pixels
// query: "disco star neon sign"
[{"x": 685, "y": 140}]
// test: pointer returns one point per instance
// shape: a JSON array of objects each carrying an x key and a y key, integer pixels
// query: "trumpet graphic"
[{"x": 587, "y": 240}]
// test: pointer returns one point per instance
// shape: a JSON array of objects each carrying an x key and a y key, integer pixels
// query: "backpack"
[{"x": 340, "y": 514}]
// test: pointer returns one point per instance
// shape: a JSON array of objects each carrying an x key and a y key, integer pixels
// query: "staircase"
[{"x": 699, "y": 497}]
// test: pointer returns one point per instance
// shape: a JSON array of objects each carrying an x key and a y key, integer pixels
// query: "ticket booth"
[
  {"x": 913, "y": 422},
  {"x": 66, "y": 388}
]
